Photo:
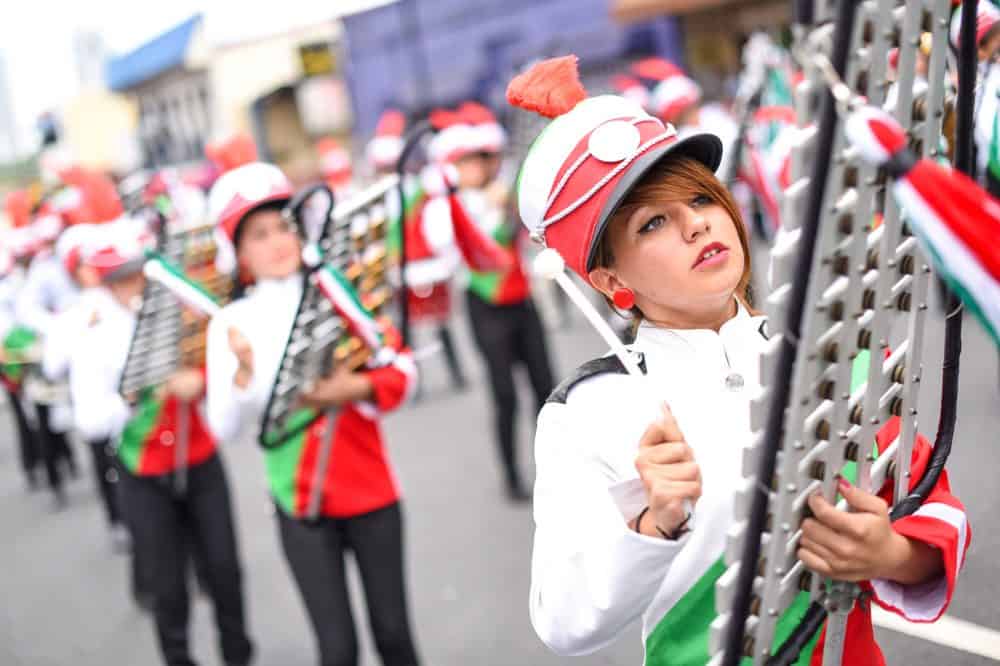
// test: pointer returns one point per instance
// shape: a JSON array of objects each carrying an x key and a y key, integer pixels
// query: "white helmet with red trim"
[
  {"x": 588, "y": 158},
  {"x": 235, "y": 194}
]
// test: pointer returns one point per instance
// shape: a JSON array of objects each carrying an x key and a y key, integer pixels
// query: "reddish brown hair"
[{"x": 679, "y": 179}]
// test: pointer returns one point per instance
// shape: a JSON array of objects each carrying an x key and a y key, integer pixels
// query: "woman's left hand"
[
  {"x": 341, "y": 387},
  {"x": 852, "y": 546}
]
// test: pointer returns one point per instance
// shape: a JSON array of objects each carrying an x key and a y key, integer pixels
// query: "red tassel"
[{"x": 550, "y": 88}]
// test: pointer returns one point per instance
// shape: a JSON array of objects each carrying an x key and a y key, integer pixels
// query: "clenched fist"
[
  {"x": 186, "y": 384},
  {"x": 670, "y": 475}
]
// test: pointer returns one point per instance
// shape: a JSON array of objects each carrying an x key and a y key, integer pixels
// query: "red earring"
[{"x": 623, "y": 298}]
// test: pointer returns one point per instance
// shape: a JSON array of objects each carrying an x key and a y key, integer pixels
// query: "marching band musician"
[
  {"x": 160, "y": 512},
  {"x": 505, "y": 323},
  {"x": 639, "y": 215},
  {"x": 16, "y": 248},
  {"x": 64, "y": 335},
  {"x": 360, "y": 509},
  {"x": 47, "y": 291}
]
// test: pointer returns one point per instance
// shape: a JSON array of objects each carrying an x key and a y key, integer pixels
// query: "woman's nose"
[{"x": 695, "y": 225}]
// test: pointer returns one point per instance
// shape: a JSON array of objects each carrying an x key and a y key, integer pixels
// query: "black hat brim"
[{"x": 705, "y": 148}]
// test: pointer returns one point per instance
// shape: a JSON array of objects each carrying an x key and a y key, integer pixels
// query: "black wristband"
[
  {"x": 638, "y": 521},
  {"x": 677, "y": 532}
]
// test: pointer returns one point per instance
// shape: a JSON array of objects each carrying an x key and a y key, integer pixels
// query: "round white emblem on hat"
[{"x": 614, "y": 141}]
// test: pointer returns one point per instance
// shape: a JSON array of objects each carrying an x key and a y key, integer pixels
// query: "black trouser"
[
  {"x": 106, "y": 476},
  {"x": 315, "y": 553},
  {"x": 53, "y": 447},
  {"x": 159, "y": 519},
  {"x": 27, "y": 438},
  {"x": 451, "y": 357},
  {"x": 506, "y": 335}
]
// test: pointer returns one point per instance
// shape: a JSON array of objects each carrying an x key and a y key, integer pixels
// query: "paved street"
[{"x": 65, "y": 595}]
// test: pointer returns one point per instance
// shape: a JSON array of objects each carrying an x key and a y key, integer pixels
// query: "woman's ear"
[{"x": 605, "y": 280}]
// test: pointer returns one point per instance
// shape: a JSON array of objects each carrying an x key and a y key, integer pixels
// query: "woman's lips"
[
  {"x": 719, "y": 254},
  {"x": 721, "y": 257}
]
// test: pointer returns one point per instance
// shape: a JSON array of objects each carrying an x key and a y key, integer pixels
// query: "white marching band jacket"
[{"x": 591, "y": 575}]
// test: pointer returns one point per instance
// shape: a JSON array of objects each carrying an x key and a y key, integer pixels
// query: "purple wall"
[{"x": 415, "y": 54}]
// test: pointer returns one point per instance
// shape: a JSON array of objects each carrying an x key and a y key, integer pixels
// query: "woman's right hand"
[
  {"x": 243, "y": 352},
  {"x": 670, "y": 475}
]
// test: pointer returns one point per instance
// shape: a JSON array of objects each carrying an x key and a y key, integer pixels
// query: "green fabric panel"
[
  {"x": 487, "y": 285},
  {"x": 282, "y": 467},
  {"x": 681, "y": 637},
  {"x": 133, "y": 439}
]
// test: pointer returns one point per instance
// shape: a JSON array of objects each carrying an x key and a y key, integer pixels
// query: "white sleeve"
[
  {"x": 591, "y": 575},
  {"x": 98, "y": 410},
  {"x": 227, "y": 405},
  {"x": 436, "y": 224},
  {"x": 29, "y": 308},
  {"x": 58, "y": 347}
]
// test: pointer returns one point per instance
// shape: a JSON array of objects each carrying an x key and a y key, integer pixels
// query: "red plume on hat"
[
  {"x": 550, "y": 88},
  {"x": 232, "y": 152},
  {"x": 18, "y": 205}
]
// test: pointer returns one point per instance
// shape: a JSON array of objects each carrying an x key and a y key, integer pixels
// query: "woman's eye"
[
  {"x": 700, "y": 200},
  {"x": 654, "y": 223}
]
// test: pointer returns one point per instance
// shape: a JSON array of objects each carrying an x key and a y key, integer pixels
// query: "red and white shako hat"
[
  {"x": 387, "y": 145},
  {"x": 673, "y": 95},
  {"x": 487, "y": 134},
  {"x": 454, "y": 136},
  {"x": 334, "y": 162},
  {"x": 71, "y": 244},
  {"x": 116, "y": 249},
  {"x": 987, "y": 17},
  {"x": 235, "y": 194},
  {"x": 588, "y": 158}
]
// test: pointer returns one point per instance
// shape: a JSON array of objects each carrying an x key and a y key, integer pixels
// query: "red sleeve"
[
  {"x": 939, "y": 522},
  {"x": 393, "y": 382}
]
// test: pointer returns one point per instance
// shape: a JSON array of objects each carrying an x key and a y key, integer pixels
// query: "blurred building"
[
  {"x": 167, "y": 78},
  {"x": 416, "y": 54},
  {"x": 276, "y": 75}
]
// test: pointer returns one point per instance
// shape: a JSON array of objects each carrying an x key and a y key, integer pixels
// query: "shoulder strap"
[{"x": 598, "y": 366}]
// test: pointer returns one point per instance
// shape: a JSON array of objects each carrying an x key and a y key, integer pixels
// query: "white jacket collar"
[{"x": 732, "y": 329}]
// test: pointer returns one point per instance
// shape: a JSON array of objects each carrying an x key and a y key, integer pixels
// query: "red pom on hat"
[
  {"x": 391, "y": 123},
  {"x": 656, "y": 69},
  {"x": 550, "y": 88},
  {"x": 442, "y": 118}
]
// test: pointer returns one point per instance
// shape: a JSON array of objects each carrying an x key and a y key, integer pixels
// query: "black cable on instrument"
[
  {"x": 967, "y": 60},
  {"x": 412, "y": 141},
  {"x": 781, "y": 388}
]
